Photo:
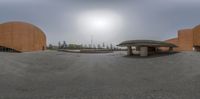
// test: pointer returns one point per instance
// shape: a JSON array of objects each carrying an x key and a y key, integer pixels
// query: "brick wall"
[
  {"x": 185, "y": 40},
  {"x": 196, "y": 35}
]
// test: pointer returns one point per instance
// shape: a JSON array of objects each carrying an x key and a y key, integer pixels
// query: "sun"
[{"x": 99, "y": 21}]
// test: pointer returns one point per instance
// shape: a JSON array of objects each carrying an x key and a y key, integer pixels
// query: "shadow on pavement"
[{"x": 158, "y": 54}]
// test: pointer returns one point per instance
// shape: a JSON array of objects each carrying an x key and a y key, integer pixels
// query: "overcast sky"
[{"x": 139, "y": 19}]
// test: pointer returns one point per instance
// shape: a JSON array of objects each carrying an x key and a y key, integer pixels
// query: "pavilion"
[{"x": 145, "y": 47}]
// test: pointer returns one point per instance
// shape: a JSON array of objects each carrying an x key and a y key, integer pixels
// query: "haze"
[{"x": 120, "y": 19}]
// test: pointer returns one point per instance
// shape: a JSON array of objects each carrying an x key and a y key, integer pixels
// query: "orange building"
[
  {"x": 21, "y": 37},
  {"x": 187, "y": 40}
]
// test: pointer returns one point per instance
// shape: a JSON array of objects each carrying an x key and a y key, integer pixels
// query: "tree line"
[{"x": 64, "y": 45}]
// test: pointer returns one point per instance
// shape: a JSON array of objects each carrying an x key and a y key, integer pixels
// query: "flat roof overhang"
[{"x": 146, "y": 43}]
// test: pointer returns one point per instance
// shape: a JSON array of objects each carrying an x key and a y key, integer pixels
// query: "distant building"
[
  {"x": 187, "y": 40},
  {"x": 21, "y": 37}
]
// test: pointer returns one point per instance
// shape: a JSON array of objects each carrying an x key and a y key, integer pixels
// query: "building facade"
[
  {"x": 21, "y": 37},
  {"x": 187, "y": 40}
]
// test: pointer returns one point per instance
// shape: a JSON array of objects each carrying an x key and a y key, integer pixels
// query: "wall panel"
[{"x": 22, "y": 37}]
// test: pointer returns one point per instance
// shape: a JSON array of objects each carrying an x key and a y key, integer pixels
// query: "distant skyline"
[{"x": 134, "y": 19}]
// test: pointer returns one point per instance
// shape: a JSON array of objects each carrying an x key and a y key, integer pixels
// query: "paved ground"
[{"x": 61, "y": 75}]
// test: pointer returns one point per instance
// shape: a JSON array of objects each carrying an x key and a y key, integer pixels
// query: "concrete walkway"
[{"x": 61, "y": 75}]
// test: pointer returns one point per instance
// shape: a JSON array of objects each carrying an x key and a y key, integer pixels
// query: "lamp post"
[{"x": 91, "y": 41}]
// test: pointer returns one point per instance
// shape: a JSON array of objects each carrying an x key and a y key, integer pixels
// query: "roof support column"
[
  {"x": 137, "y": 48},
  {"x": 130, "y": 52},
  {"x": 143, "y": 51}
]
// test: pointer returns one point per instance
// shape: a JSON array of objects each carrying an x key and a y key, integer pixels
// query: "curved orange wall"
[
  {"x": 22, "y": 37},
  {"x": 196, "y": 35}
]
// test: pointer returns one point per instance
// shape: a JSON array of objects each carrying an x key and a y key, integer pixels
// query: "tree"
[
  {"x": 64, "y": 45},
  {"x": 99, "y": 46},
  {"x": 85, "y": 46},
  {"x": 74, "y": 46},
  {"x": 111, "y": 46},
  {"x": 103, "y": 45},
  {"x": 59, "y": 45},
  {"x": 50, "y": 46},
  {"x": 107, "y": 47}
]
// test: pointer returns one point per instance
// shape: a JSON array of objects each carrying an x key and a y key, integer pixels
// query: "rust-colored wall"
[
  {"x": 23, "y": 37},
  {"x": 173, "y": 41},
  {"x": 185, "y": 39},
  {"x": 196, "y": 36}
]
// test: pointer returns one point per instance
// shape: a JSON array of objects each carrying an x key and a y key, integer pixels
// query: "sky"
[{"x": 109, "y": 21}]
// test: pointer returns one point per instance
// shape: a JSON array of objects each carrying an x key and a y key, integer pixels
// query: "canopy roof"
[{"x": 148, "y": 43}]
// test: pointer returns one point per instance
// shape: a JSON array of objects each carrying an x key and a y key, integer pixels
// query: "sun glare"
[{"x": 99, "y": 22}]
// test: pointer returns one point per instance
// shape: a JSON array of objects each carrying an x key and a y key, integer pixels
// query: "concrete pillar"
[
  {"x": 143, "y": 51},
  {"x": 129, "y": 53},
  {"x": 137, "y": 48},
  {"x": 193, "y": 49},
  {"x": 156, "y": 49}
]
